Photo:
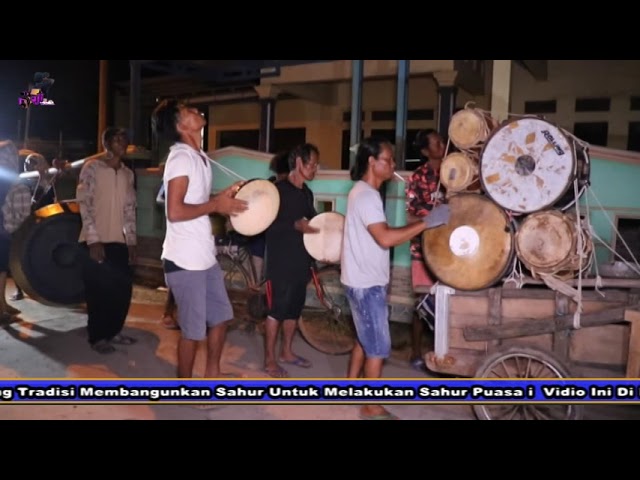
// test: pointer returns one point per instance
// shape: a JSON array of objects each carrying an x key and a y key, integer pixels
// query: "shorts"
[
  {"x": 370, "y": 313},
  {"x": 420, "y": 279},
  {"x": 286, "y": 299},
  {"x": 257, "y": 245},
  {"x": 202, "y": 300}
]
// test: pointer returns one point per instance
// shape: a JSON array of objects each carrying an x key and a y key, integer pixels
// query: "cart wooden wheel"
[{"x": 525, "y": 362}]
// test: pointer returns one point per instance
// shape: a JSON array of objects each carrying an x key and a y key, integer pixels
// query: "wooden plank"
[
  {"x": 591, "y": 282},
  {"x": 526, "y": 326},
  {"x": 561, "y": 338},
  {"x": 495, "y": 310}
]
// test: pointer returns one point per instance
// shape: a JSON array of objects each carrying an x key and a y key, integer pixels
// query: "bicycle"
[{"x": 326, "y": 323}]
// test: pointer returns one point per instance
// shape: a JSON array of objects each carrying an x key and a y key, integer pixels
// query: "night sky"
[{"x": 75, "y": 94}]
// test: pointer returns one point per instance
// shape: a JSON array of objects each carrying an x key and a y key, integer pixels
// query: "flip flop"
[
  {"x": 379, "y": 416},
  {"x": 123, "y": 340},
  {"x": 277, "y": 372},
  {"x": 298, "y": 362}
]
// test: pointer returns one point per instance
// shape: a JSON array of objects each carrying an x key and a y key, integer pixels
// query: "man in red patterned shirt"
[{"x": 422, "y": 194}]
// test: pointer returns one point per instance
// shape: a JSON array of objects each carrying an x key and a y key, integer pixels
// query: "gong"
[
  {"x": 45, "y": 257},
  {"x": 475, "y": 249}
]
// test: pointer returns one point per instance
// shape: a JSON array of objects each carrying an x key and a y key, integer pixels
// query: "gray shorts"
[{"x": 202, "y": 300}]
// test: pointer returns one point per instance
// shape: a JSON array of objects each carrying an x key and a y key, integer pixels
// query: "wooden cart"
[{"x": 529, "y": 332}]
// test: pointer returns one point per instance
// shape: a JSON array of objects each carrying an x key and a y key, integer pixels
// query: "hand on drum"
[
  {"x": 226, "y": 204},
  {"x": 438, "y": 216},
  {"x": 96, "y": 252},
  {"x": 303, "y": 226}
]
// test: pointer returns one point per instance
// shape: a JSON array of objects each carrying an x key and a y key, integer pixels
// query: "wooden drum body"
[
  {"x": 45, "y": 258},
  {"x": 459, "y": 172},
  {"x": 547, "y": 243},
  {"x": 264, "y": 201},
  {"x": 326, "y": 245},
  {"x": 527, "y": 165},
  {"x": 475, "y": 249},
  {"x": 469, "y": 128}
]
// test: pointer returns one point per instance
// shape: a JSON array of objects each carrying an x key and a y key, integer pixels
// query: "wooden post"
[{"x": 103, "y": 100}]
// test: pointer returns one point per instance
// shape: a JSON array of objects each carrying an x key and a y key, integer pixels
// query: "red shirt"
[{"x": 422, "y": 194}]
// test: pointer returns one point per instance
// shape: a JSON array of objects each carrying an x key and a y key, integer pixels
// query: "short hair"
[
  {"x": 304, "y": 152},
  {"x": 112, "y": 132},
  {"x": 164, "y": 120},
  {"x": 33, "y": 161},
  {"x": 422, "y": 138},
  {"x": 280, "y": 163}
]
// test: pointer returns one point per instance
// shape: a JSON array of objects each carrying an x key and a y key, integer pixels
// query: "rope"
[{"x": 226, "y": 170}]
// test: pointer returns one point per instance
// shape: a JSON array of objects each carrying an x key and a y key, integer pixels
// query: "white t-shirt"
[
  {"x": 190, "y": 244},
  {"x": 364, "y": 263}
]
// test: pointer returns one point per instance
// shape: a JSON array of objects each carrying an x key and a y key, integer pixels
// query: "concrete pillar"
[
  {"x": 501, "y": 89},
  {"x": 402, "y": 105},
  {"x": 357, "y": 78},
  {"x": 268, "y": 95},
  {"x": 447, "y": 92}
]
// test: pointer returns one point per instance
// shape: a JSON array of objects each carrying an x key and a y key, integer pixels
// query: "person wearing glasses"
[
  {"x": 365, "y": 262},
  {"x": 289, "y": 264}
]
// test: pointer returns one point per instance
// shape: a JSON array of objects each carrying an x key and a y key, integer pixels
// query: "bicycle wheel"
[
  {"x": 236, "y": 279},
  {"x": 326, "y": 323}
]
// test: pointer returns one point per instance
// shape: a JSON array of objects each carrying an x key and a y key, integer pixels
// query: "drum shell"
[
  {"x": 45, "y": 257},
  {"x": 527, "y": 165},
  {"x": 459, "y": 172},
  {"x": 469, "y": 128},
  {"x": 487, "y": 263}
]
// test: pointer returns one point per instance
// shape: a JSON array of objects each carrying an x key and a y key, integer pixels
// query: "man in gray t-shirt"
[{"x": 365, "y": 262}]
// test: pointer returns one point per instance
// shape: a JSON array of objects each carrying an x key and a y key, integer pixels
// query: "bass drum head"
[
  {"x": 326, "y": 245},
  {"x": 475, "y": 249},
  {"x": 45, "y": 259},
  {"x": 264, "y": 201},
  {"x": 527, "y": 165}
]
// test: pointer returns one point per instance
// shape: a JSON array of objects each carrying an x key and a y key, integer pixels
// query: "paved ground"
[{"x": 50, "y": 342}]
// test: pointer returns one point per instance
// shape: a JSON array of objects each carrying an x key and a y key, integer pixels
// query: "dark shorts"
[
  {"x": 286, "y": 299},
  {"x": 257, "y": 245},
  {"x": 5, "y": 248}
]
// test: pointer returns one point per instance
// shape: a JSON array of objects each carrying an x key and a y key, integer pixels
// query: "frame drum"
[
  {"x": 326, "y": 245},
  {"x": 547, "y": 242},
  {"x": 470, "y": 127},
  {"x": 458, "y": 172},
  {"x": 264, "y": 201},
  {"x": 45, "y": 258},
  {"x": 527, "y": 165},
  {"x": 475, "y": 249}
]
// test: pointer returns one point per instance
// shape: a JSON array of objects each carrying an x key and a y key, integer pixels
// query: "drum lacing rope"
[{"x": 517, "y": 275}]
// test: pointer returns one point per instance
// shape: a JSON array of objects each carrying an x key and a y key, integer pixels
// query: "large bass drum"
[
  {"x": 45, "y": 257},
  {"x": 475, "y": 249},
  {"x": 528, "y": 165}
]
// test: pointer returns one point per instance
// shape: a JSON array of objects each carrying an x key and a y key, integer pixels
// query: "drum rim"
[
  {"x": 504, "y": 125},
  {"x": 512, "y": 252}
]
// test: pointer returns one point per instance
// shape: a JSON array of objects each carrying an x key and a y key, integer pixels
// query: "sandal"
[
  {"x": 277, "y": 372},
  {"x": 298, "y": 362},
  {"x": 123, "y": 340},
  {"x": 103, "y": 346},
  {"x": 169, "y": 322}
]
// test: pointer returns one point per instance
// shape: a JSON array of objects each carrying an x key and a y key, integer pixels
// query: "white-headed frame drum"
[
  {"x": 326, "y": 245},
  {"x": 263, "y": 201}
]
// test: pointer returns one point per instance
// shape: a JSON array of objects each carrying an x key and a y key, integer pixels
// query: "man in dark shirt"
[{"x": 288, "y": 263}]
